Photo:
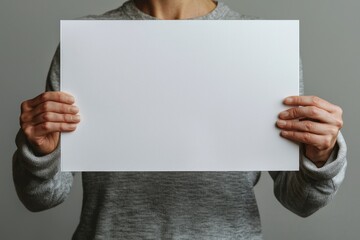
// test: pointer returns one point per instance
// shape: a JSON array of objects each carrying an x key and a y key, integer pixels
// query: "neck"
[{"x": 175, "y": 9}]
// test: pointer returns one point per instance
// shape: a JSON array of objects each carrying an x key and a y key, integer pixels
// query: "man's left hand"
[{"x": 314, "y": 122}]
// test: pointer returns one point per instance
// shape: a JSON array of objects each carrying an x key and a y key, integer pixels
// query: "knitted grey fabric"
[{"x": 169, "y": 205}]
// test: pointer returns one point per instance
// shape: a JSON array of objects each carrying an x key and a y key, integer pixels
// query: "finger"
[
  {"x": 45, "y": 128},
  {"x": 25, "y": 106},
  {"x": 55, "y": 117},
  {"x": 310, "y": 101},
  {"x": 308, "y": 126},
  {"x": 309, "y": 113},
  {"x": 55, "y": 107},
  {"x": 318, "y": 141},
  {"x": 60, "y": 97},
  {"x": 48, "y": 107}
]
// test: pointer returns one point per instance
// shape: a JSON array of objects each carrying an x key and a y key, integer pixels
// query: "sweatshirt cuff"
[
  {"x": 44, "y": 167},
  {"x": 333, "y": 166}
]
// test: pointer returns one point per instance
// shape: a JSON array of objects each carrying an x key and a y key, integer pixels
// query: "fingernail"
[
  {"x": 71, "y": 99},
  {"x": 284, "y": 133},
  {"x": 288, "y": 100},
  {"x": 281, "y": 123},
  {"x": 76, "y": 118},
  {"x": 74, "y": 109},
  {"x": 73, "y": 126},
  {"x": 284, "y": 114}
]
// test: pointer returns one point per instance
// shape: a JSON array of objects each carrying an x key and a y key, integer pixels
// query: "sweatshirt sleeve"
[
  {"x": 39, "y": 183},
  {"x": 307, "y": 190}
]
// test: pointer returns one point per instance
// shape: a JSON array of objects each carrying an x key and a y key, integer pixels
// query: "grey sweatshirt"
[{"x": 169, "y": 205}]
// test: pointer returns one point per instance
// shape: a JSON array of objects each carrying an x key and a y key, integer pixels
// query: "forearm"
[
  {"x": 306, "y": 191},
  {"x": 38, "y": 181}
]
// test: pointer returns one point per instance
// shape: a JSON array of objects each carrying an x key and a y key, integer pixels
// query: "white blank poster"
[{"x": 179, "y": 95}]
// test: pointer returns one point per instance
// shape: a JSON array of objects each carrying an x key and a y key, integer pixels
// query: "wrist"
[{"x": 318, "y": 157}]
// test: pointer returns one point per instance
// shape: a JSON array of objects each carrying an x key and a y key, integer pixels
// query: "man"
[{"x": 174, "y": 205}]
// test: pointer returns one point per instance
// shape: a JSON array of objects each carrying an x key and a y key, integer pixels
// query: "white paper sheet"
[{"x": 179, "y": 95}]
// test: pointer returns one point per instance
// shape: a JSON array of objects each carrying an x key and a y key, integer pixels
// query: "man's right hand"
[{"x": 45, "y": 116}]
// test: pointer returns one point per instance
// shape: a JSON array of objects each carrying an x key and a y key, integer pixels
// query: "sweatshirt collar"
[{"x": 134, "y": 13}]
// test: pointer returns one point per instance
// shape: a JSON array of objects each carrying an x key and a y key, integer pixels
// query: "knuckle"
[
  {"x": 27, "y": 131},
  {"x": 308, "y": 126},
  {"x": 315, "y": 100},
  {"x": 23, "y": 106},
  {"x": 44, "y": 96},
  {"x": 327, "y": 142},
  {"x": 339, "y": 124},
  {"x": 23, "y": 118},
  {"x": 294, "y": 112},
  {"x": 46, "y": 126},
  {"x": 314, "y": 111},
  {"x": 62, "y": 127},
  {"x": 46, "y": 116},
  {"x": 307, "y": 137},
  {"x": 45, "y": 106}
]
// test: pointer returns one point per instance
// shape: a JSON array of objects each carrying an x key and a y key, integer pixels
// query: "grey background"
[{"x": 29, "y": 33}]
